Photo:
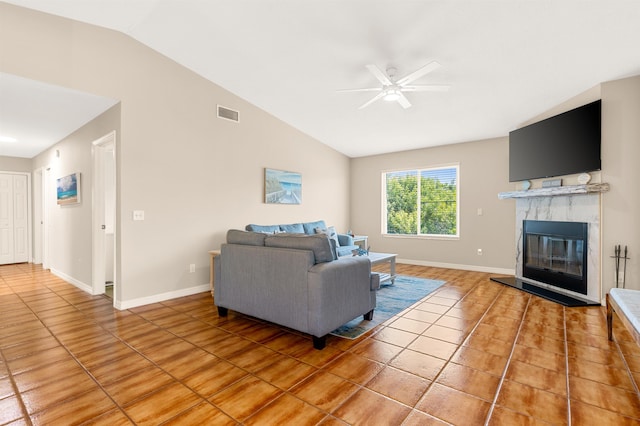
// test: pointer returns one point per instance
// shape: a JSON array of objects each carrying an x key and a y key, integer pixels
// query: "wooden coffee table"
[{"x": 381, "y": 258}]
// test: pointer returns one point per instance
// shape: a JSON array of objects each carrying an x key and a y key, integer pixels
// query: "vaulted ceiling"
[{"x": 505, "y": 60}]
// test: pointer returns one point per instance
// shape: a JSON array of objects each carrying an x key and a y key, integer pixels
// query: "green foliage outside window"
[{"x": 435, "y": 212}]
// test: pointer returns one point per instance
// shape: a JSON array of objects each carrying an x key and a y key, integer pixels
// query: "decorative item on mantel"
[
  {"x": 584, "y": 178},
  {"x": 617, "y": 250},
  {"x": 526, "y": 185},
  {"x": 556, "y": 191}
]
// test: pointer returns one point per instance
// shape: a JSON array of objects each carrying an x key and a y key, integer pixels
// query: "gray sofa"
[
  {"x": 344, "y": 242},
  {"x": 293, "y": 280}
]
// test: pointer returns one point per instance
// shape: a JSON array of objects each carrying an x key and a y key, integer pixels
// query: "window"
[{"x": 421, "y": 202}]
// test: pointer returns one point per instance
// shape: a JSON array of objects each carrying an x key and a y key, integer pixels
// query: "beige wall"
[
  {"x": 70, "y": 226},
  {"x": 15, "y": 164},
  {"x": 194, "y": 175},
  {"x": 621, "y": 169},
  {"x": 484, "y": 172}
]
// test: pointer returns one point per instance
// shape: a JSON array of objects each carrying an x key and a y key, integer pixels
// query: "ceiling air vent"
[{"x": 228, "y": 114}]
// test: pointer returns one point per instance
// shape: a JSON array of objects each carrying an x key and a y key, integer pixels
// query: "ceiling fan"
[{"x": 393, "y": 90}]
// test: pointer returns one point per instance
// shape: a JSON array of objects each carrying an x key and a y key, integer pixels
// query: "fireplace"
[{"x": 555, "y": 253}]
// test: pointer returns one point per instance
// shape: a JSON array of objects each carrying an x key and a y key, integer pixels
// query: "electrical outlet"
[
  {"x": 479, "y": 252},
  {"x": 192, "y": 267}
]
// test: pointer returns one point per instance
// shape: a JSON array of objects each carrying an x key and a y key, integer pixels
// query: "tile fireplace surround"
[{"x": 565, "y": 208}]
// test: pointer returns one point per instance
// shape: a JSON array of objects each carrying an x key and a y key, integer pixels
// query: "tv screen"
[{"x": 565, "y": 144}]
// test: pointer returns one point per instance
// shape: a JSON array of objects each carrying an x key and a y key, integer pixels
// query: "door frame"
[{"x": 102, "y": 147}]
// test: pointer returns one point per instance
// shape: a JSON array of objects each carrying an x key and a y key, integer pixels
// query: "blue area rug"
[{"x": 391, "y": 299}]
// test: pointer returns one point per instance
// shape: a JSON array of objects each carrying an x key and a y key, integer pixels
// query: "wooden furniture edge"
[{"x": 613, "y": 307}]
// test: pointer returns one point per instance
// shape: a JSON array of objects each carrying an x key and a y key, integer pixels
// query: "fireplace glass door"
[{"x": 554, "y": 254}]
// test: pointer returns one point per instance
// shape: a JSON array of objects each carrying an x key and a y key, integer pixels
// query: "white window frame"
[{"x": 419, "y": 206}]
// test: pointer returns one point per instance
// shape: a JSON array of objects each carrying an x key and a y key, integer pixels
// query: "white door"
[
  {"x": 104, "y": 217},
  {"x": 14, "y": 218}
]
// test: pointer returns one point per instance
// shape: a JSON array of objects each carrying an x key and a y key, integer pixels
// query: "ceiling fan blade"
[
  {"x": 372, "y": 100},
  {"x": 379, "y": 74},
  {"x": 431, "y": 66},
  {"x": 428, "y": 88},
  {"x": 370, "y": 89},
  {"x": 402, "y": 100}
]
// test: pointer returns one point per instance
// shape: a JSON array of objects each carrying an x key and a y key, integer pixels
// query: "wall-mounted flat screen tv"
[{"x": 565, "y": 144}]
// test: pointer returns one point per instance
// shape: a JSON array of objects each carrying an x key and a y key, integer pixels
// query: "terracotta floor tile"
[
  {"x": 445, "y": 333},
  {"x": 202, "y": 414},
  {"x": 445, "y": 403},
  {"x": 10, "y": 410},
  {"x": 395, "y": 336},
  {"x": 601, "y": 373},
  {"x": 432, "y": 307},
  {"x": 489, "y": 345},
  {"x": 213, "y": 379},
  {"x": 46, "y": 374},
  {"x": 418, "y": 363},
  {"x": 503, "y": 416},
  {"x": 422, "y": 316},
  {"x": 589, "y": 353},
  {"x": 433, "y": 347},
  {"x": 468, "y": 380},
  {"x": 287, "y": 410},
  {"x": 356, "y": 368},
  {"x": 582, "y": 414},
  {"x": 399, "y": 385},
  {"x": 540, "y": 358},
  {"x": 245, "y": 397},
  {"x": 543, "y": 343},
  {"x": 41, "y": 397},
  {"x": 377, "y": 350},
  {"x": 136, "y": 386},
  {"x": 370, "y": 408},
  {"x": 418, "y": 418},
  {"x": 537, "y": 377},
  {"x": 77, "y": 410},
  {"x": 162, "y": 404},
  {"x": 39, "y": 359},
  {"x": 325, "y": 390},
  {"x": 181, "y": 370},
  {"x": 607, "y": 397},
  {"x": 527, "y": 400},
  {"x": 480, "y": 360},
  {"x": 256, "y": 359},
  {"x": 410, "y": 325},
  {"x": 286, "y": 372}
]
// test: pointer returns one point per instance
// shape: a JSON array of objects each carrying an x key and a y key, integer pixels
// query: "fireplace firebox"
[{"x": 555, "y": 253}]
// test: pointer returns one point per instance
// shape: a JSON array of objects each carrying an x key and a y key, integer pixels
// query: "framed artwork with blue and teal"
[
  {"x": 282, "y": 187},
  {"x": 68, "y": 189}
]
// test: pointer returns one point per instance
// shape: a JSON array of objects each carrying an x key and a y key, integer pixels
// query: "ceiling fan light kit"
[{"x": 392, "y": 90}]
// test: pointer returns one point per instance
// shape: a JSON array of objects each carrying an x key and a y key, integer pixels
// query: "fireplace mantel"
[{"x": 556, "y": 191}]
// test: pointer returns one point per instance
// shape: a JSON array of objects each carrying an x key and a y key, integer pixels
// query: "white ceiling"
[{"x": 506, "y": 60}]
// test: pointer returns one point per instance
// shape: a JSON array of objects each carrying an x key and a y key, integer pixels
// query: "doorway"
[{"x": 104, "y": 216}]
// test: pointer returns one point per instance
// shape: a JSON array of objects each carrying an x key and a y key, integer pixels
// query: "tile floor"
[{"x": 473, "y": 352}]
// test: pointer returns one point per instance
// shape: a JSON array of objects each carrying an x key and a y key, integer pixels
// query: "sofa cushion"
[
  {"x": 293, "y": 228},
  {"x": 265, "y": 229},
  {"x": 330, "y": 232},
  {"x": 310, "y": 227},
  {"x": 236, "y": 236},
  {"x": 319, "y": 244}
]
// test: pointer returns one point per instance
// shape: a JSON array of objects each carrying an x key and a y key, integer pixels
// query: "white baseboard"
[
  {"x": 476, "y": 268},
  {"x": 82, "y": 286},
  {"x": 134, "y": 303}
]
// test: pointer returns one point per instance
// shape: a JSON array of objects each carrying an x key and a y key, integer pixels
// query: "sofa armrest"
[
  {"x": 345, "y": 240},
  {"x": 339, "y": 291}
]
